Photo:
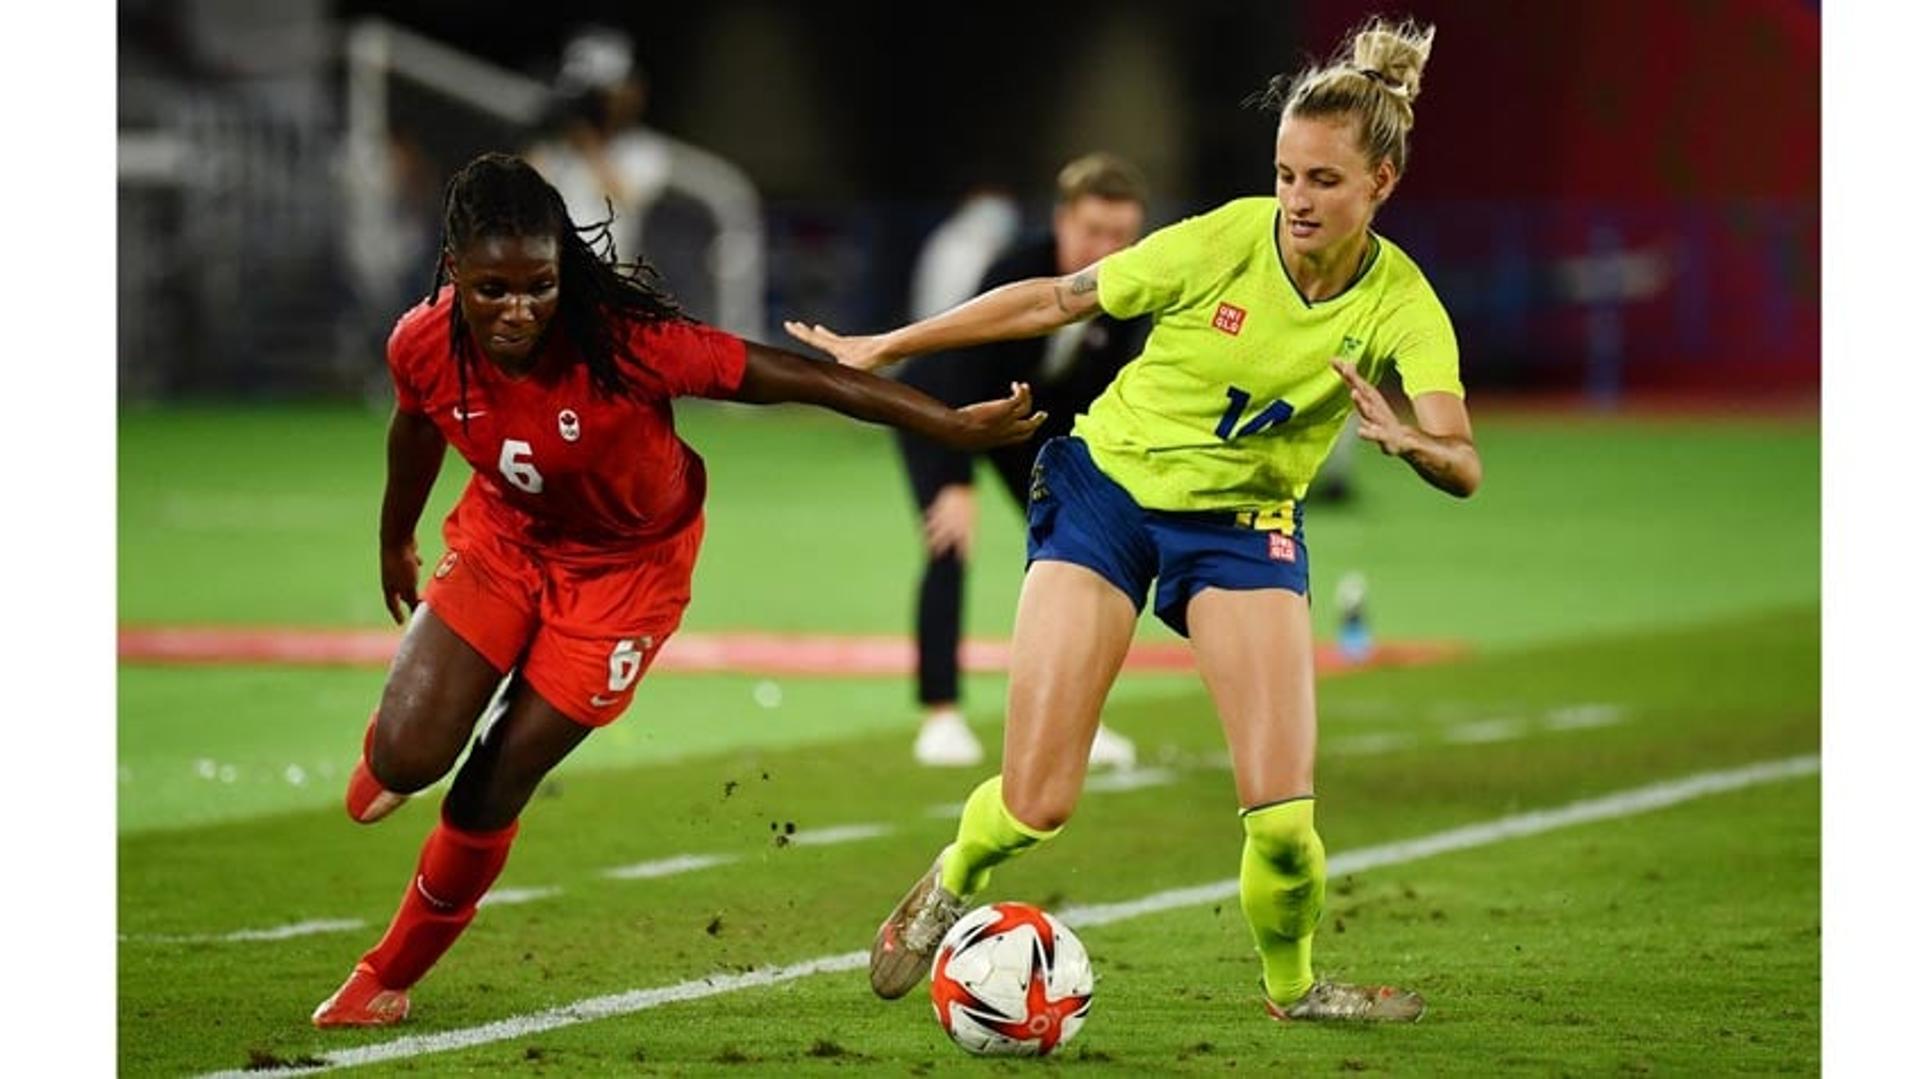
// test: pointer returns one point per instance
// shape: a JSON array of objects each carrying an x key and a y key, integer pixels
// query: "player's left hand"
[
  {"x": 1377, "y": 424},
  {"x": 995, "y": 423},
  {"x": 400, "y": 579},
  {"x": 865, "y": 353}
]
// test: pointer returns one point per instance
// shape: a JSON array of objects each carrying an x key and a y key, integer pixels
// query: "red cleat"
[
  {"x": 362, "y": 1002},
  {"x": 367, "y": 800}
]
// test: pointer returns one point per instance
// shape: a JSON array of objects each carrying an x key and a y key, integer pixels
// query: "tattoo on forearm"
[{"x": 1085, "y": 281}]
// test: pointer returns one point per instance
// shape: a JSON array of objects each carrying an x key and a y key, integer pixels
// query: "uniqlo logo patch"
[
  {"x": 1228, "y": 317},
  {"x": 1279, "y": 547}
]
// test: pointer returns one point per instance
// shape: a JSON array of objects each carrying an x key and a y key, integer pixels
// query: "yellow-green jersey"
[{"x": 1233, "y": 404}]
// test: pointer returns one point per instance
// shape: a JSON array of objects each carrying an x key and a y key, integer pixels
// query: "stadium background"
[
  {"x": 1597, "y": 224},
  {"x": 1618, "y": 202}
]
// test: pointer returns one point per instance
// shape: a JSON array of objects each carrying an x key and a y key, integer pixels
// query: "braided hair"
[{"x": 600, "y": 297}]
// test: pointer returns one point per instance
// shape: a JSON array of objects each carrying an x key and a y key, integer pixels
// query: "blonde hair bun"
[
  {"x": 1373, "y": 82},
  {"x": 1397, "y": 52}
]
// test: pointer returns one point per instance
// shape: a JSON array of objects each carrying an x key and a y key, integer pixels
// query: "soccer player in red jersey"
[{"x": 551, "y": 369}]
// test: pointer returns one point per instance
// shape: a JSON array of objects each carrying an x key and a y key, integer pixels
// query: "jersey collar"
[{"x": 1367, "y": 262}]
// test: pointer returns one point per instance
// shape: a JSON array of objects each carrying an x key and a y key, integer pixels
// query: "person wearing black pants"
[{"x": 1101, "y": 208}]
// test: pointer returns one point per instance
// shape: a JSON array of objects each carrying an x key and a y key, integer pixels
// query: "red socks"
[
  {"x": 456, "y": 869},
  {"x": 363, "y": 791}
]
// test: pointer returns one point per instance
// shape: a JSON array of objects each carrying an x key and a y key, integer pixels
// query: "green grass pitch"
[{"x": 1641, "y": 601}]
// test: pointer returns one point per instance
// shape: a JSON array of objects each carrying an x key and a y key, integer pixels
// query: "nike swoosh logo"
[
  {"x": 601, "y": 702},
  {"x": 460, "y": 414}
]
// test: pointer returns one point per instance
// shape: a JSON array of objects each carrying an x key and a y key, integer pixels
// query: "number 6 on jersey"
[{"x": 516, "y": 464}]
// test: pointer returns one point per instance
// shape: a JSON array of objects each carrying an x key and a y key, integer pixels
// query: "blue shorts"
[{"x": 1076, "y": 514}]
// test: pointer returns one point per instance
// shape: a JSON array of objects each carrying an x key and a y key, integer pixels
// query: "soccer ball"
[{"x": 1010, "y": 980}]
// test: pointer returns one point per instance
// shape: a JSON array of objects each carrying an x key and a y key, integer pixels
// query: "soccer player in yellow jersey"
[{"x": 1273, "y": 320}]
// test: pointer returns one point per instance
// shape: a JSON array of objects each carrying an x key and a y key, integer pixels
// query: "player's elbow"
[{"x": 775, "y": 376}]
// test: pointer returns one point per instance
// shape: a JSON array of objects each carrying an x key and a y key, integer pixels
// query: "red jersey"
[{"x": 556, "y": 463}]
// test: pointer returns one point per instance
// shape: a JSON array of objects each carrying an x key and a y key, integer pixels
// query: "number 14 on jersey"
[{"x": 1238, "y": 399}]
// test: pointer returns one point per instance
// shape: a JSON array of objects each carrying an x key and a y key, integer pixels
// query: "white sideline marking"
[
  {"x": 498, "y": 897},
  {"x": 1366, "y": 744},
  {"x": 1607, "y": 807},
  {"x": 1574, "y": 717},
  {"x": 1487, "y": 730},
  {"x": 506, "y": 897},
  {"x": 1583, "y": 716},
  {"x": 278, "y": 932},
  {"x": 1109, "y": 781},
  {"x": 667, "y": 867},
  {"x": 1620, "y": 804},
  {"x": 845, "y": 833},
  {"x": 1128, "y": 779}
]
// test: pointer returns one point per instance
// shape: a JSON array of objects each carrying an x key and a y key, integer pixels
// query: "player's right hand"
[
  {"x": 400, "y": 579},
  {"x": 1377, "y": 424},
  {"x": 949, "y": 521},
  {"x": 866, "y": 353},
  {"x": 995, "y": 423}
]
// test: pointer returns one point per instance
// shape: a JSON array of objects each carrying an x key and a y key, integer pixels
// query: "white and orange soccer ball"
[{"x": 1011, "y": 980}]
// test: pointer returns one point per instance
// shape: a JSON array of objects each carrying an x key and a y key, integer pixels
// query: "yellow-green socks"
[
  {"x": 1283, "y": 886},
  {"x": 988, "y": 835}
]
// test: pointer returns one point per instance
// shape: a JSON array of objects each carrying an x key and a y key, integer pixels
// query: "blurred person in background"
[
  {"x": 959, "y": 250},
  {"x": 385, "y": 253},
  {"x": 1273, "y": 319},
  {"x": 1100, "y": 207},
  {"x": 569, "y": 557},
  {"x": 600, "y": 156}
]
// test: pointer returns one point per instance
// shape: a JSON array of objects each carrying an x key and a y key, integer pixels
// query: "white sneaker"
[
  {"x": 945, "y": 741},
  {"x": 1111, "y": 750}
]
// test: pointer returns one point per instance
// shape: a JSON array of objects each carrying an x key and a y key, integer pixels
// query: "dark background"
[{"x": 1612, "y": 198}]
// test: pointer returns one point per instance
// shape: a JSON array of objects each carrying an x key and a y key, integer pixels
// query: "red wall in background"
[{"x": 1619, "y": 195}]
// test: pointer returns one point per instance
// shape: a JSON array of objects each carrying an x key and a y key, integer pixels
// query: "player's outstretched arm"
[
  {"x": 776, "y": 376},
  {"x": 1440, "y": 447},
  {"x": 415, "y": 448},
  {"x": 1029, "y": 308}
]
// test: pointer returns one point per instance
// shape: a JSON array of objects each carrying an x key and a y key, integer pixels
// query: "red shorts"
[{"x": 581, "y": 635}]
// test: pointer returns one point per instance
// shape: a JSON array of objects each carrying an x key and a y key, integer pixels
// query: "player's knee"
[
  {"x": 1283, "y": 836},
  {"x": 944, "y": 568},
  {"x": 490, "y": 793},
  {"x": 404, "y": 766}
]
